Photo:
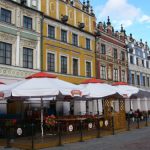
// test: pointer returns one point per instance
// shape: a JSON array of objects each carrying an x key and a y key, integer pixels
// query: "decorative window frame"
[
  {"x": 66, "y": 55},
  {"x": 79, "y": 72},
  {"x": 52, "y": 52},
  {"x": 91, "y": 67}
]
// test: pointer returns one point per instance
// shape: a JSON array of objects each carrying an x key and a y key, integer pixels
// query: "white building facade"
[{"x": 20, "y": 40}]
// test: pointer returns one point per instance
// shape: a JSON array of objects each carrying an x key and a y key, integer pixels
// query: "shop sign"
[
  {"x": 125, "y": 96},
  {"x": 76, "y": 93},
  {"x": 70, "y": 128}
]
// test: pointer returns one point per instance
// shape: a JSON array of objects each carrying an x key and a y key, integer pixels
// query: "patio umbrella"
[
  {"x": 97, "y": 88},
  {"x": 1, "y": 86},
  {"x": 42, "y": 85},
  {"x": 144, "y": 96},
  {"x": 5, "y": 90},
  {"x": 1, "y": 83},
  {"x": 124, "y": 89},
  {"x": 141, "y": 94}
]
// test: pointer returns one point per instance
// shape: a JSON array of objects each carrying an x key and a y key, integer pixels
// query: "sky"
[{"x": 134, "y": 15}]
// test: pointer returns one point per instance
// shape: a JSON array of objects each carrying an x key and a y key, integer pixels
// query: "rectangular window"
[
  {"x": 138, "y": 79},
  {"x": 88, "y": 44},
  {"x": 27, "y": 22},
  {"x": 64, "y": 64},
  {"x": 137, "y": 61},
  {"x": 64, "y": 36},
  {"x": 115, "y": 74},
  {"x": 123, "y": 76},
  {"x": 122, "y": 56},
  {"x": 75, "y": 67},
  {"x": 51, "y": 32},
  {"x": 88, "y": 69},
  {"x": 51, "y": 62},
  {"x": 142, "y": 63},
  {"x": 147, "y": 64},
  {"x": 28, "y": 58},
  {"x": 133, "y": 79},
  {"x": 115, "y": 53},
  {"x": 5, "y": 15},
  {"x": 103, "y": 72},
  {"x": 5, "y": 53},
  {"x": 131, "y": 59},
  {"x": 148, "y": 82},
  {"x": 144, "y": 83},
  {"x": 103, "y": 49},
  {"x": 75, "y": 39}
]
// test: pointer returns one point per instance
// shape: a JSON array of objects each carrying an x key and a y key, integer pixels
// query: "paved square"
[{"x": 134, "y": 140}]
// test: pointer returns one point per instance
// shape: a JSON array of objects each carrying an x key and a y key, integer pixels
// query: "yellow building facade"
[{"x": 68, "y": 39}]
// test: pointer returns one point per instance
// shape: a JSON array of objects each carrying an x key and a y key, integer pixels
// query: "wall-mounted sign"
[
  {"x": 125, "y": 96},
  {"x": 70, "y": 128},
  {"x": 106, "y": 123},
  {"x": 101, "y": 123},
  {"x": 76, "y": 93},
  {"x": 90, "y": 125},
  {"x": 19, "y": 131}
]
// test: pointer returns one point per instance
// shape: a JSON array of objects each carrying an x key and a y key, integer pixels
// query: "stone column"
[
  {"x": 38, "y": 54},
  {"x": 18, "y": 49}
]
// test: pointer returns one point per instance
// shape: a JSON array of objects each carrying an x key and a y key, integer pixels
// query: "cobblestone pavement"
[{"x": 133, "y": 140}]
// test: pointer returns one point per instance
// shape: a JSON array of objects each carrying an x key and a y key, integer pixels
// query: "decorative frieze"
[
  {"x": 28, "y": 43},
  {"x": 15, "y": 72},
  {"x": 8, "y": 38}
]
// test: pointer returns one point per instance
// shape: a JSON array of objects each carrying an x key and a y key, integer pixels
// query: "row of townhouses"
[{"x": 62, "y": 37}]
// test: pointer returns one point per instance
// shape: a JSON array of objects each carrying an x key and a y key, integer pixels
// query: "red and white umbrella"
[
  {"x": 42, "y": 85},
  {"x": 97, "y": 88},
  {"x": 124, "y": 89},
  {"x": 6, "y": 89}
]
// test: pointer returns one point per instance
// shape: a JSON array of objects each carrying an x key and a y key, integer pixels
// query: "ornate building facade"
[
  {"x": 69, "y": 39},
  {"x": 20, "y": 38},
  {"x": 111, "y": 54},
  {"x": 139, "y": 63}
]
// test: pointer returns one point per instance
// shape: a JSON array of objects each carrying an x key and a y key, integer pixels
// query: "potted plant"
[{"x": 50, "y": 122}]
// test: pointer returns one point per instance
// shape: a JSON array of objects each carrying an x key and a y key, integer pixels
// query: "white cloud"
[
  {"x": 120, "y": 11},
  {"x": 145, "y": 19}
]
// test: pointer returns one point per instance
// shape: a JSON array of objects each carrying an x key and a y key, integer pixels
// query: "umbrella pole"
[
  {"x": 97, "y": 107},
  {"x": 42, "y": 132}
]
